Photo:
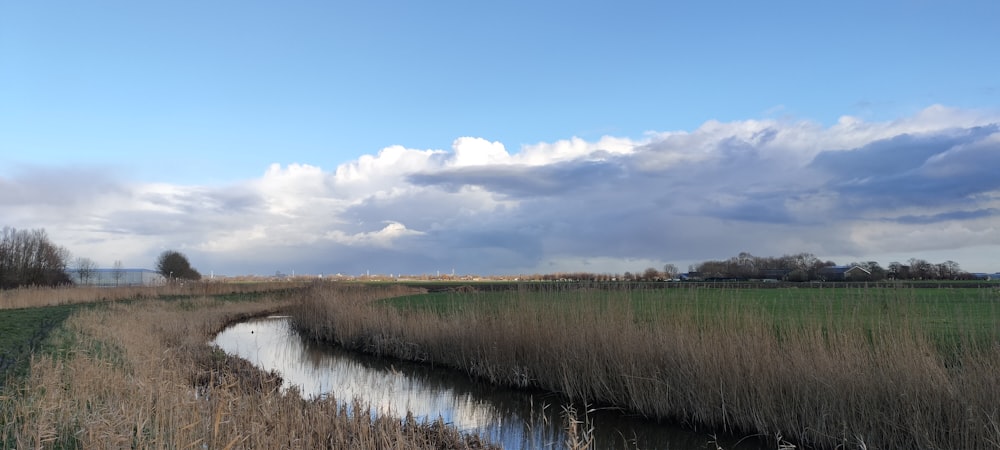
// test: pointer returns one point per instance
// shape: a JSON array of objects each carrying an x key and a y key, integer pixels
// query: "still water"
[{"x": 517, "y": 419}]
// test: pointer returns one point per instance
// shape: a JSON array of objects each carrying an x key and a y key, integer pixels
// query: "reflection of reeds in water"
[
  {"x": 394, "y": 387},
  {"x": 142, "y": 376},
  {"x": 875, "y": 378}
]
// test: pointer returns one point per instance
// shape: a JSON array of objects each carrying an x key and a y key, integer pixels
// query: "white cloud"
[
  {"x": 920, "y": 183},
  {"x": 469, "y": 151},
  {"x": 380, "y": 238}
]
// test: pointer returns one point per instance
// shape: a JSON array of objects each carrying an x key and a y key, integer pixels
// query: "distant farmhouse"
[
  {"x": 118, "y": 277},
  {"x": 843, "y": 273}
]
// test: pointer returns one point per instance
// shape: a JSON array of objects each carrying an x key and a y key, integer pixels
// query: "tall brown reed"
[
  {"x": 143, "y": 376},
  {"x": 829, "y": 383}
]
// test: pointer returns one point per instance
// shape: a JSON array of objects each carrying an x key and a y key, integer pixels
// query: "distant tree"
[
  {"x": 949, "y": 270},
  {"x": 174, "y": 265},
  {"x": 897, "y": 271},
  {"x": 743, "y": 265},
  {"x": 85, "y": 270},
  {"x": 28, "y": 258},
  {"x": 713, "y": 269},
  {"x": 651, "y": 274},
  {"x": 670, "y": 271},
  {"x": 118, "y": 272},
  {"x": 921, "y": 269}
]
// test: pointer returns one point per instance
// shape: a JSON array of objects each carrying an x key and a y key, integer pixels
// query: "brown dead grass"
[
  {"x": 840, "y": 387},
  {"x": 34, "y": 297},
  {"x": 142, "y": 376}
]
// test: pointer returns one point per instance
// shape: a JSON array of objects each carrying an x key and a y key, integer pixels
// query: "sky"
[{"x": 501, "y": 137}]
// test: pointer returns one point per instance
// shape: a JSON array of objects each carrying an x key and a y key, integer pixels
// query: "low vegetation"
[
  {"x": 24, "y": 331},
  {"x": 35, "y": 297},
  {"x": 140, "y": 374},
  {"x": 854, "y": 368}
]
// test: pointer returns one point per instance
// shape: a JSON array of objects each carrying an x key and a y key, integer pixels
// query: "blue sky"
[{"x": 439, "y": 134}]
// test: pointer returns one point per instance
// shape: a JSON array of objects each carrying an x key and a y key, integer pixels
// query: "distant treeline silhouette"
[
  {"x": 28, "y": 258},
  {"x": 796, "y": 267}
]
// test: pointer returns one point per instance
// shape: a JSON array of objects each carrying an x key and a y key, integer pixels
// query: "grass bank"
[
  {"x": 884, "y": 369},
  {"x": 141, "y": 375},
  {"x": 23, "y": 331},
  {"x": 36, "y": 297},
  {"x": 28, "y": 315}
]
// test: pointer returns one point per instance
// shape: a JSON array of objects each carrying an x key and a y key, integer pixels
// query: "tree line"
[
  {"x": 795, "y": 267},
  {"x": 29, "y": 258},
  {"x": 807, "y": 267}
]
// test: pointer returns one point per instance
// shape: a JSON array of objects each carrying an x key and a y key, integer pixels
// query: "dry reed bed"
[
  {"x": 34, "y": 297},
  {"x": 143, "y": 376},
  {"x": 842, "y": 387}
]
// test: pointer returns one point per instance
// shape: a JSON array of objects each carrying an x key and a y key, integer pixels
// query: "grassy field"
[
  {"x": 850, "y": 367},
  {"x": 140, "y": 374},
  {"x": 949, "y": 316}
]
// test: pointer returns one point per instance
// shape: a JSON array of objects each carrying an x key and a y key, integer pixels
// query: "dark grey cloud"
[
  {"x": 925, "y": 219},
  {"x": 894, "y": 156},
  {"x": 520, "y": 181},
  {"x": 935, "y": 169}
]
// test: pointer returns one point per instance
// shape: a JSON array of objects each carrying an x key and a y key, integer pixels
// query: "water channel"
[{"x": 516, "y": 419}]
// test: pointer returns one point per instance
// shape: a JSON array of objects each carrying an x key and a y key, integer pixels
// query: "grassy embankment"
[
  {"x": 140, "y": 375},
  {"x": 28, "y": 315},
  {"x": 853, "y": 367}
]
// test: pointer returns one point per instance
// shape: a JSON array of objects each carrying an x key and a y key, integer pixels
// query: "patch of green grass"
[
  {"x": 951, "y": 317},
  {"x": 22, "y": 331}
]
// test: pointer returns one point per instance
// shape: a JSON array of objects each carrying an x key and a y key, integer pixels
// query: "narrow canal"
[{"x": 516, "y": 419}]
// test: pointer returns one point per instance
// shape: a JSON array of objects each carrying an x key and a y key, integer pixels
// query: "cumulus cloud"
[{"x": 854, "y": 189}]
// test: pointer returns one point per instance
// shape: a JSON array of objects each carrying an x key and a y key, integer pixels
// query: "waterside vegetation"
[
  {"x": 861, "y": 367},
  {"x": 140, "y": 374}
]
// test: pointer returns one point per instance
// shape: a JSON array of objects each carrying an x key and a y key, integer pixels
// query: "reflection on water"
[{"x": 514, "y": 418}]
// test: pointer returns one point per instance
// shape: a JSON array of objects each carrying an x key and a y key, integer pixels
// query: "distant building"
[
  {"x": 774, "y": 274},
  {"x": 690, "y": 276},
  {"x": 119, "y": 277},
  {"x": 843, "y": 273}
]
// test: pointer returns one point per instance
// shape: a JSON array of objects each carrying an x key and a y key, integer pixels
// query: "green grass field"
[
  {"x": 949, "y": 316},
  {"x": 832, "y": 365}
]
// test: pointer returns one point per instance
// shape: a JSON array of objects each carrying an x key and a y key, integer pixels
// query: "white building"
[{"x": 119, "y": 277}]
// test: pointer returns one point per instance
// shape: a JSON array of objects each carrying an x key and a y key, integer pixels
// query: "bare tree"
[
  {"x": 650, "y": 274},
  {"x": 921, "y": 269},
  {"x": 670, "y": 271},
  {"x": 86, "y": 268},
  {"x": 28, "y": 258},
  {"x": 118, "y": 272},
  {"x": 949, "y": 270}
]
